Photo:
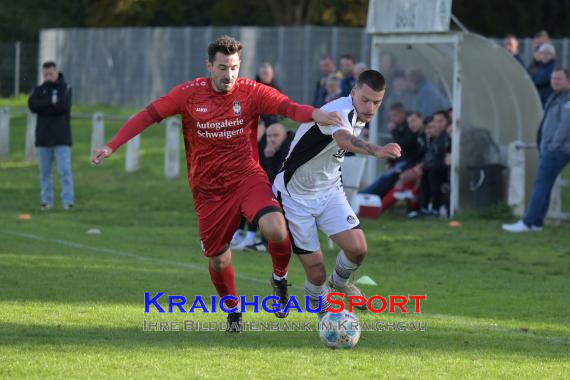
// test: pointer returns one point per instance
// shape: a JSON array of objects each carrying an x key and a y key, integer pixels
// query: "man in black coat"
[{"x": 51, "y": 101}]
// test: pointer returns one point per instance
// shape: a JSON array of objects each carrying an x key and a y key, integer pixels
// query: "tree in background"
[{"x": 23, "y": 19}]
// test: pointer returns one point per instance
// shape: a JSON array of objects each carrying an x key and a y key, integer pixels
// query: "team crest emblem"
[
  {"x": 351, "y": 219},
  {"x": 237, "y": 108}
]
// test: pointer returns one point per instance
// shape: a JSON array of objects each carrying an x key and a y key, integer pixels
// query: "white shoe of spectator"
[
  {"x": 243, "y": 243},
  {"x": 237, "y": 238},
  {"x": 404, "y": 195},
  {"x": 519, "y": 227}
]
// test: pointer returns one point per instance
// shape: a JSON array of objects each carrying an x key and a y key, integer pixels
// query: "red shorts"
[{"x": 218, "y": 220}]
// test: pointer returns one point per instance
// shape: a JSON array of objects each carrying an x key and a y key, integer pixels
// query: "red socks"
[
  {"x": 280, "y": 256},
  {"x": 224, "y": 283}
]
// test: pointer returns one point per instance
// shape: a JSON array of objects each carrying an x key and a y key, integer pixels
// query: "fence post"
[
  {"x": 132, "y": 157},
  {"x": 516, "y": 163},
  {"x": 97, "y": 131},
  {"x": 17, "y": 58},
  {"x": 171, "y": 150},
  {"x": 4, "y": 132},
  {"x": 31, "y": 119}
]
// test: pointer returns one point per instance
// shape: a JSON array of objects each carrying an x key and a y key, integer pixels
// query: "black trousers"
[{"x": 432, "y": 181}]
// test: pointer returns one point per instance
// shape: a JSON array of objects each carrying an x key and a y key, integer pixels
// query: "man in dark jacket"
[
  {"x": 52, "y": 102},
  {"x": 554, "y": 148}
]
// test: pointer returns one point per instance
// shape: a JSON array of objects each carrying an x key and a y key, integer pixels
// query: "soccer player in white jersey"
[{"x": 309, "y": 187}]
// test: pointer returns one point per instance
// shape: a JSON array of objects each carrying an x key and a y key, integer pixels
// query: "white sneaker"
[
  {"x": 404, "y": 195},
  {"x": 243, "y": 243},
  {"x": 518, "y": 227},
  {"x": 237, "y": 238}
]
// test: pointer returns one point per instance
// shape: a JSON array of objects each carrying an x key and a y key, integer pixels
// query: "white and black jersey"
[{"x": 313, "y": 164}]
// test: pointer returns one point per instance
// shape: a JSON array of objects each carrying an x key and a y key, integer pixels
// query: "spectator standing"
[
  {"x": 51, "y": 101},
  {"x": 332, "y": 88},
  {"x": 347, "y": 62},
  {"x": 266, "y": 75},
  {"x": 541, "y": 37},
  {"x": 554, "y": 148},
  {"x": 428, "y": 99},
  {"x": 511, "y": 44},
  {"x": 327, "y": 67},
  {"x": 543, "y": 72}
]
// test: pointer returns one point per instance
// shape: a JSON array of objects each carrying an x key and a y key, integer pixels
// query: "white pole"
[
  {"x": 97, "y": 131},
  {"x": 4, "y": 132},
  {"x": 132, "y": 157},
  {"x": 172, "y": 150},
  {"x": 374, "y": 125},
  {"x": 456, "y": 128},
  {"x": 17, "y": 69},
  {"x": 31, "y": 119}
]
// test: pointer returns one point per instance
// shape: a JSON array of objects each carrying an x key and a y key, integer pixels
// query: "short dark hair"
[
  {"x": 372, "y": 79},
  {"x": 442, "y": 113},
  {"x": 398, "y": 107},
  {"x": 414, "y": 113},
  {"x": 510, "y": 35},
  {"x": 564, "y": 70},
  {"x": 226, "y": 45},
  {"x": 48, "y": 64},
  {"x": 349, "y": 57}
]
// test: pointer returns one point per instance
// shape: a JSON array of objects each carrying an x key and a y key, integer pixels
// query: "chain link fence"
[{"x": 131, "y": 66}]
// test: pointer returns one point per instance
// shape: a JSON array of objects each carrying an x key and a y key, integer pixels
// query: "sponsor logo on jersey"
[
  {"x": 201, "y": 109},
  {"x": 221, "y": 129},
  {"x": 351, "y": 219},
  {"x": 237, "y": 108}
]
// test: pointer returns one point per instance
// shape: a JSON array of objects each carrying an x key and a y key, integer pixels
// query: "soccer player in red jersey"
[{"x": 219, "y": 118}]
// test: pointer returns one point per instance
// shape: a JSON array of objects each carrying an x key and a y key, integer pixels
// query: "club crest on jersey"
[{"x": 237, "y": 108}]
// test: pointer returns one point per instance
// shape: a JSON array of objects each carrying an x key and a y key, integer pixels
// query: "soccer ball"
[{"x": 339, "y": 330}]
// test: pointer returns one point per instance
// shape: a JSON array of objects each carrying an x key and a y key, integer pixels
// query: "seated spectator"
[
  {"x": 428, "y": 99},
  {"x": 541, "y": 76},
  {"x": 408, "y": 183},
  {"x": 511, "y": 44},
  {"x": 332, "y": 88},
  {"x": 347, "y": 67},
  {"x": 435, "y": 170},
  {"x": 278, "y": 142},
  {"x": 402, "y": 135},
  {"x": 266, "y": 75},
  {"x": 327, "y": 67}
]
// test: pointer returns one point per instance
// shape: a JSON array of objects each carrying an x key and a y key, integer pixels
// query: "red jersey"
[{"x": 220, "y": 129}]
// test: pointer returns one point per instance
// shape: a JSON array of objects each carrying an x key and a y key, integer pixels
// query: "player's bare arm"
[{"x": 347, "y": 141}]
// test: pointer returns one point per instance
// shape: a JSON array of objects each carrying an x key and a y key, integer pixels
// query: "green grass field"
[{"x": 71, "y": 304}]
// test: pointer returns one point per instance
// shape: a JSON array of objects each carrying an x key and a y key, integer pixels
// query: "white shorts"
[{"x": 330, "y": 213}]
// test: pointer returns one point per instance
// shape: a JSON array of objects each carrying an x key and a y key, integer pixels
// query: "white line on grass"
[{"x": 72, "y": 244}]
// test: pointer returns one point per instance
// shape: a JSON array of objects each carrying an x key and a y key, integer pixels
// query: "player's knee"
[
  {"x": 273, "y": 227},
  {"x": 317, "y": 274},
  {"x": 357, "y": 253},
  {"x": 219, "y": 263}
]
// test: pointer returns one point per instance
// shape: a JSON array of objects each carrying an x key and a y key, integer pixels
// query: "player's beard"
[{"x": 223, "y": 86}]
